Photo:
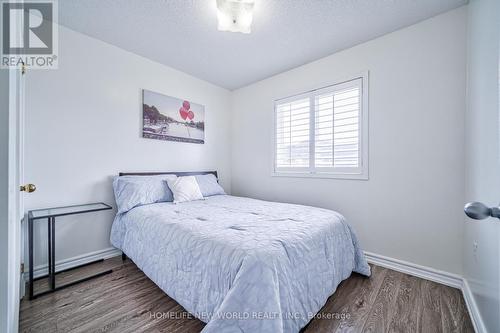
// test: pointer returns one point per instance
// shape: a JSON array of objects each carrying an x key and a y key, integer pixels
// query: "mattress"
[{"x": 240, "y": 264}]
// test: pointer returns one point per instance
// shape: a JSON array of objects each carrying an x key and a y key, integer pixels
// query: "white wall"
[
  {"x": 83, "y": 126},
  {"x": 481, "y": 269},
  {"x": 4, "y": 176},
  {"x": 411, "y": 207}
]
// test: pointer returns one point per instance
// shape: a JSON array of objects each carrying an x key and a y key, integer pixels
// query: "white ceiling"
[{"x": 285, "y": 33}]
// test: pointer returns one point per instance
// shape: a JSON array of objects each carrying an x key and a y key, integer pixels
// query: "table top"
[{"x": 67, "y": 210}]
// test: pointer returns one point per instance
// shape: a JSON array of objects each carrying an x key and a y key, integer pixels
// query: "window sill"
[{"x": 324, "y": 175}]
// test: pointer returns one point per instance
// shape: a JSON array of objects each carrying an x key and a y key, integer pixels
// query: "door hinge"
[
  {"x": 22, "y": 268},
  {"x": 23, "y": 68}
]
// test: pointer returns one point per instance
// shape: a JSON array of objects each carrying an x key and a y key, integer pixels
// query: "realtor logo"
[{"x": 29, "y": 36}]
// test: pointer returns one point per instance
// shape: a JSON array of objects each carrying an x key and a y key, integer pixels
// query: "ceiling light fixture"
[{"x": 235, "y": 15}]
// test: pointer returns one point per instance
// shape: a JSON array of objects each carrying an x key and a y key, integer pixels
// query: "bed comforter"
[{"x": 239, "y": 264}]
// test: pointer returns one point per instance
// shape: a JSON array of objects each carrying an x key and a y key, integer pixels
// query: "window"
[{"x": 323, "y": 132}]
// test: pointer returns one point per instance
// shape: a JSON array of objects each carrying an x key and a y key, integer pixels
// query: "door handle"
[
  {"x": 28, "y": 188},
  {"x": 479, "y": 211}
]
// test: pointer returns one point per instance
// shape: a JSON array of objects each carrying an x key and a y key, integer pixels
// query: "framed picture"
[{"x": 172, "y": 119}]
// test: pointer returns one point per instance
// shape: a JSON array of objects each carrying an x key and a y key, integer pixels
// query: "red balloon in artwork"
[
  {"x": 186, "y": 105},
  {"x": 190, "y": 115},
  {"x": 183, "y": 112}
]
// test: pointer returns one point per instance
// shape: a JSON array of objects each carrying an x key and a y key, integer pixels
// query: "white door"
[
  {"x": 482, "y": 237},
  {"x": 16, "y": 192},
  {"x": 15, "y": 198}
]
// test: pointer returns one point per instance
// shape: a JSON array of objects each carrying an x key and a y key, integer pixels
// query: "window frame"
[{"x": 360, "y": 173}]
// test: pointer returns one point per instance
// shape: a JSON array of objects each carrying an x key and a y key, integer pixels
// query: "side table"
[{"x": 50, "y": 214}]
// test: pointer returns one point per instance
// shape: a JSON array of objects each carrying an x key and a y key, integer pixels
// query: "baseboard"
[
  {"x": 470, "y": 301},
  {"x": 446, "y": 278},
  {"x": 41, "y": 270},
  {"x": 442, "y": 277}
]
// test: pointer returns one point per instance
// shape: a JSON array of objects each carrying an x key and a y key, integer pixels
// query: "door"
[
  {"x": 482, "y": 122},
  {"x": 15, "y": 196}
]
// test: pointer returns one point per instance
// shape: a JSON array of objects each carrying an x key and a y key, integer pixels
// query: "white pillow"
[{"x": 185, "y": 189}]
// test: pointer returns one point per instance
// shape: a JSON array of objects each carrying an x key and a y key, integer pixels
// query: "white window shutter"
[
  {"x": 323, "y": 132},
  {"x": 337, "y": 111},
  {"x": 292, "y": 134}
]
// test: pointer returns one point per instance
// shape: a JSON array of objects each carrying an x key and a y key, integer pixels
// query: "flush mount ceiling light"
[{"x": 235, "y": 15}]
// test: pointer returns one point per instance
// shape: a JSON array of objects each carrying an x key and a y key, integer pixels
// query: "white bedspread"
[{"x": 239, "y": 264}]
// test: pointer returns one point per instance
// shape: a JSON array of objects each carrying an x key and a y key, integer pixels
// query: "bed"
[{"x": 240, "y": 264}]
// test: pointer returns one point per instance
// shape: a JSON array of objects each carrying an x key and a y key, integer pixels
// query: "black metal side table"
[{"x": 50, "y": 214}]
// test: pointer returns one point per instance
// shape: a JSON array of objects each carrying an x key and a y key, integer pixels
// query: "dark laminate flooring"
[{"x": 127, "y": 301}]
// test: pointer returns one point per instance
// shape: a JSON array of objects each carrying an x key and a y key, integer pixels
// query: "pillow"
[
  {"x": 208, "y": 185},
  {"x": 185, "y": 189},
  {"x": 134, "y": 191}
]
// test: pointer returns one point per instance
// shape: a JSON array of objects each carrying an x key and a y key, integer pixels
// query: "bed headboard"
[{"x": 189, "y": 173}]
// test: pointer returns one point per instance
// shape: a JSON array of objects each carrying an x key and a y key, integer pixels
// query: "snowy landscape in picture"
[{"x": 173, "y": 119}]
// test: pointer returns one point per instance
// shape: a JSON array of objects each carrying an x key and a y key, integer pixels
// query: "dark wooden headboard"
[{"x": 192, "y": 173}]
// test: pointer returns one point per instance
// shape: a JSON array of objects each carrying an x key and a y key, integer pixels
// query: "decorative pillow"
[
  {"x": 208, "y": 185},
  {"x": 185, "y": 189},
  {"x": 134, "y": 191}
]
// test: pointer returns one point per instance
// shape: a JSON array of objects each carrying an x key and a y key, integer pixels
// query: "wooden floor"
[{"x": 127, "y": 301}]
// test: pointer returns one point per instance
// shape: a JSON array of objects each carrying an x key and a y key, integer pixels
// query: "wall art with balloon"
[{"x": 173, "y": 119}]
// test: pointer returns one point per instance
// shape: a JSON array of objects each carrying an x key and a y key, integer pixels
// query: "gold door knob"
[{"x": 28, "y": 188}]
